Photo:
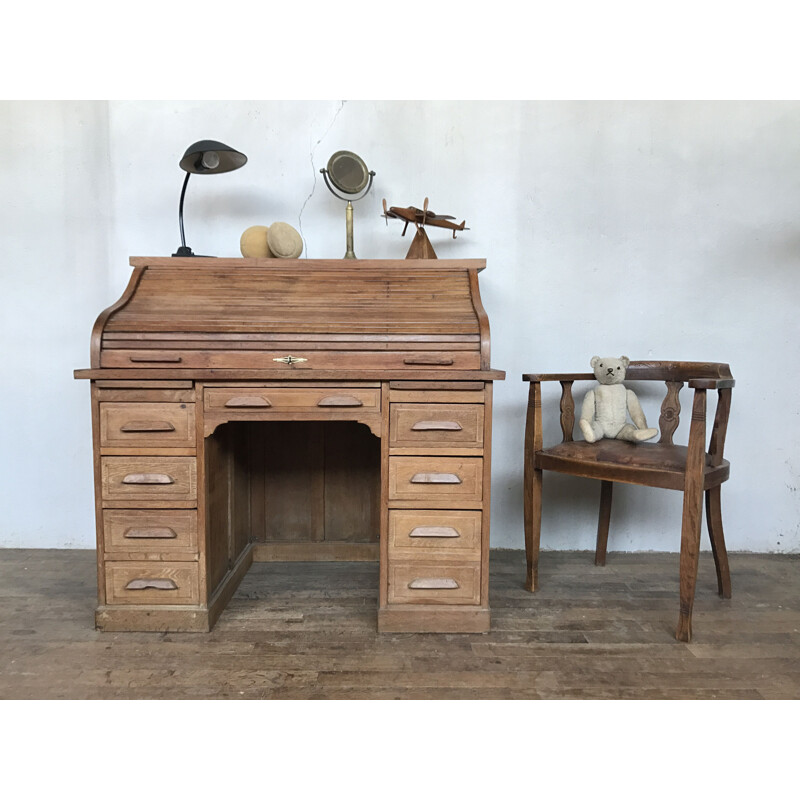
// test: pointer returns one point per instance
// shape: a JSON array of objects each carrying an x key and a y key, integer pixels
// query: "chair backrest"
[{"x": 674, "y": 374}]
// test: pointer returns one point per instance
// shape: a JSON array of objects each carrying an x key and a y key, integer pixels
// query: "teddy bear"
[{"x": 605, "y": 410}]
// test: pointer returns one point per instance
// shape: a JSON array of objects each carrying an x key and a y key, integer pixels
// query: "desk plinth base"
[
  {"x": 433, "y": 619},
  {"x": 165, "y": 619}
]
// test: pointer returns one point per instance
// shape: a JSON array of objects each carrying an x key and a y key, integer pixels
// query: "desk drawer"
[
  {"x": 422, "y": 535},
  {"x": 146, "y": 583},
  {"x": 147, "y": 425},
  {"x": 435, "y": 425},
  {"x": 168, "y": 479},
  {"x": 439, "y": 584},
  {"x": 426, "y": 479},
  {"x": 286, "y": 399},
  {"x": 157, "y": 535}
]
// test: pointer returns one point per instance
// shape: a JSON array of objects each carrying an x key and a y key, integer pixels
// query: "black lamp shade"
[
  {"x": 205, "y": 157},
  {"x": 208, "y": 157}
]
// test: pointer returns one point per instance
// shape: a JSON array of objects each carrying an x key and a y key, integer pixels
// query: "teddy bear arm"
[
  {"x": 635, "y": 410},
  {"x": 588, "y": 407}
]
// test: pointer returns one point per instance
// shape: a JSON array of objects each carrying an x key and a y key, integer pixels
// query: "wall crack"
[{"x": 314, "y": 173}]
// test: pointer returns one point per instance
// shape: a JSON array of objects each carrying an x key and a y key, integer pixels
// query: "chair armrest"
[
  {"x": 711, "y": 383},
  {"x": 567, "y": 406},
  {"x": 567, "y": 376}
]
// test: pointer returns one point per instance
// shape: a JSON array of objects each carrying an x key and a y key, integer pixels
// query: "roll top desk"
[{"x": 377, "y": 374}]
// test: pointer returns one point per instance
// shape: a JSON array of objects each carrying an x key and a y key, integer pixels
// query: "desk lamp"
[
  {"x": 349, "y": 174},
  {"x": 205, "y": 157}
]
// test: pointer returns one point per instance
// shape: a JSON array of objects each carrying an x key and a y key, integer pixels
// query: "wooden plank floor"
[{"x": 309, "y": 631}]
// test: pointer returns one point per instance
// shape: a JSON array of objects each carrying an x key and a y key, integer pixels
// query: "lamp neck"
[
  {"x": 183, "y": 250},
  {"x": 180, "y": 208}
]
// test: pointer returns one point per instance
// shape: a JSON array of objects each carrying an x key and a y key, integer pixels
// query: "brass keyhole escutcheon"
[{"x": 290, "y": 360}]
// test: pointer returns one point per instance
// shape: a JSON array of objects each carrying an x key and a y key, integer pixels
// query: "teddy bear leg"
[
  {"x": 627, "y": 433},
  {"x": 631, "y": 434},
  {"x": 591, "y": 430}
]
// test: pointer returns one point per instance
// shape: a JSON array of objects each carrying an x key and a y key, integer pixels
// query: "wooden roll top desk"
[{"x": 377, "y": 373}]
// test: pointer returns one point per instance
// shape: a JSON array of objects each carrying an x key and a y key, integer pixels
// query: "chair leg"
[
  {"x": 692, "y": 514},
  {"x": 714, "y": 520},
  {"x": 533, "y": 527},
  {"x": 690, "y": 546},
  {"x": 606, "y": 489}
]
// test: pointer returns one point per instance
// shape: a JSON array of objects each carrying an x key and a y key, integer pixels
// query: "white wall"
[{"x": 654, "y": 229}]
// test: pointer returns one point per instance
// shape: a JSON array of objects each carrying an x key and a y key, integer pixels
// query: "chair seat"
[{"x": 662, "y": 465}]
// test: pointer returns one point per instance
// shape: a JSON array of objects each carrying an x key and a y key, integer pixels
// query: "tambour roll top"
[{"x": 204, "y": 314}]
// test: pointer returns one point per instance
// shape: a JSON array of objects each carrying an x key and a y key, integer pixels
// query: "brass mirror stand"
[{"x": 349, "y": 174}]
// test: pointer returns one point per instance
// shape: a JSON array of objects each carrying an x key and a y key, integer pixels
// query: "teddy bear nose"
[{"x": 609, "y": 370}]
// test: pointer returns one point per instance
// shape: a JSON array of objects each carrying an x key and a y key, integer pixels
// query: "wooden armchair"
[{"x": 689, "y": 469}]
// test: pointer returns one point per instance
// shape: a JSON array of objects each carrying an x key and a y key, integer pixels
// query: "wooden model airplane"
[{"x": 421, "y": 246}]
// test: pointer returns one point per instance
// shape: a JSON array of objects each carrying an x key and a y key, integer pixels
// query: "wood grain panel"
[
  {"x": 352, "y": 483},
  {"x": 217, "y": 451},
  {"x": 290, "y": 466}
]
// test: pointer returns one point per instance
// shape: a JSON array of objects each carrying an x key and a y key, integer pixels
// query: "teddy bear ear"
[
  {"x": 594, "y": 362},
  {"x": 625, "y": 361}
]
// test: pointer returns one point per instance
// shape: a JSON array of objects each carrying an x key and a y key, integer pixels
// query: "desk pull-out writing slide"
[{"x": 303, "y": 410}]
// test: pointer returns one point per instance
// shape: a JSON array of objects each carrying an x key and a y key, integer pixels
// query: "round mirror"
[{"x": 348, "y": 172}]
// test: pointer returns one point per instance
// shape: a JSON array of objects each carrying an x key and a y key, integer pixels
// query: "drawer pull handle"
[
  {"x": 147, "y": 426},
  {"x": 435, "y": 477},
  {"x": 434, "y": 532},
  {"x": 155, "y": 359},
  {"x": 434, "y": 425},
  {"x": 150, "y": 533},
  {"x": 163, "y": 584},
  {"x": 342, "y": 400},
  {"x": 248, "y": 402},
  {"x": 436, "y": 361},
  {"x": 433, "y": 583},
  {"x": 148, "y": 478}
]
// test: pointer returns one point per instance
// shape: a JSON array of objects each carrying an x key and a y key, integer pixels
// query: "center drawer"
[{"x": 288, "y": 399}]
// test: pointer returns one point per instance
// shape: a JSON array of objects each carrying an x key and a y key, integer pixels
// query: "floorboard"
[{"x": 308, "y": 630}]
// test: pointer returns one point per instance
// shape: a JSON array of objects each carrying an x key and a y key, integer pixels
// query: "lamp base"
[{"x": 186, "y": 252}]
